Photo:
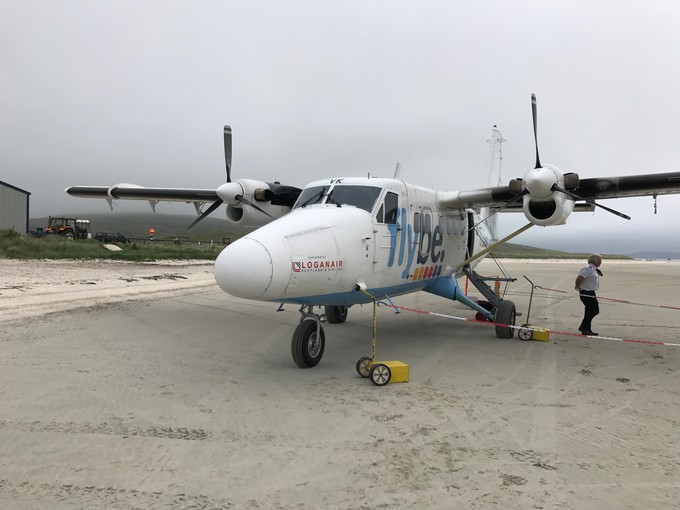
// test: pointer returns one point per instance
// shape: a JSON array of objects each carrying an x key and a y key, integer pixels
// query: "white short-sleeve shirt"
[{"x": 591, "y": 278}]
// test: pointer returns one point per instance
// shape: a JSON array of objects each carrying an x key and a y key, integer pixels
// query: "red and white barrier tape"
[
  {"x": 565, "y": 333},
  {"x": 614, "y": 300}
]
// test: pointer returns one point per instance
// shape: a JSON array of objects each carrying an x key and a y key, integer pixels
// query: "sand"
[
  {"x": 30, "y": 288},
  {"x": 144, "y": 386}
]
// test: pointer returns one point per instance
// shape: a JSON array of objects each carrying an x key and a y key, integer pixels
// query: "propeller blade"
[
  {"x": 227, "y": 150},
  {"x": 613, "y": 211},
  {"x": 535, "y": 117},
  {"x": 208, "y": 211},
  {"x": 555, "y": 187},
  {"x": 240, "y": 198}
]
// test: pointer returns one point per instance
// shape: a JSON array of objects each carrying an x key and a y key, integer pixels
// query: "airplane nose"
[{"x": 244, "y": 269}]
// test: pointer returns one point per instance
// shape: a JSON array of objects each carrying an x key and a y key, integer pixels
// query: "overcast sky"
[{"x": 102, "y": 92}]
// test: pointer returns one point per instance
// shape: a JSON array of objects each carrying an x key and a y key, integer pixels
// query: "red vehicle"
[{"x": 72, "y": 228}]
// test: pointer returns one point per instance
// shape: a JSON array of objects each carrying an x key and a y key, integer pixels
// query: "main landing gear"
[
  {"x": 505, "y": 312},
  {"x": 309, "y": 339}
]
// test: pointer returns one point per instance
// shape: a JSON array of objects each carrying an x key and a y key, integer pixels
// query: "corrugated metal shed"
[{"x": 13, "y": 208}]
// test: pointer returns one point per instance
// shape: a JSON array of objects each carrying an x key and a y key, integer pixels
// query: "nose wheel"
[{"x": 308, "y": 344}]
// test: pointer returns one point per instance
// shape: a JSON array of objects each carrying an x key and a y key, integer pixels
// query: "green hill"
[{"x": 521, "y": 251}]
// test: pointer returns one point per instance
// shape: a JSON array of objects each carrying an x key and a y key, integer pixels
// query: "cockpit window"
[
  {"x": 311, "y": 196},
  {"x": 363, "y": 197},
  {"x": 391, "y": 208}
]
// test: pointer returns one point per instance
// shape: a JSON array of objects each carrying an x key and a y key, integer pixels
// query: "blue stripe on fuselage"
[{"x": 354, "y": 297}]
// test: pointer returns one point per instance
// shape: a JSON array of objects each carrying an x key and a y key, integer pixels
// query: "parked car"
[{"x": 110, "y": 237}]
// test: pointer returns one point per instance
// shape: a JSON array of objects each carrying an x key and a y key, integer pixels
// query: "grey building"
[{"x": 13, "y": 208}]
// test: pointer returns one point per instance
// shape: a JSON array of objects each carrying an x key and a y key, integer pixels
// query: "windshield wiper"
[
  {"x": 329, "y": 198},
  {"x": 313, "y": 198}
]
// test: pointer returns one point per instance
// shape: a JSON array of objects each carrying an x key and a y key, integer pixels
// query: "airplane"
[{"x": 346, "y": 241}]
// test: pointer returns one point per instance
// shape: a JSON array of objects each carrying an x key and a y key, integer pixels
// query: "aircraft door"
[
  {"x": 387, "y": 232},
  {"x": 470, "y": 236}
]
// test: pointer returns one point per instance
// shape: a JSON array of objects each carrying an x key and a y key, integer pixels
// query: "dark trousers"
[{"x": 589, "y": 300}]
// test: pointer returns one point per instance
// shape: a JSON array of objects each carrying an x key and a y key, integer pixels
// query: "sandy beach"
[{"x": 144, "y": 386}]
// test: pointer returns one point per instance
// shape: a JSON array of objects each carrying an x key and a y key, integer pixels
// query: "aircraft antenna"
[{"x": 397, "y": 170}]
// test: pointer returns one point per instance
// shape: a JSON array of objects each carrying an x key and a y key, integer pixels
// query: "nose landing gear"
[{"x": 309, "y": 339}]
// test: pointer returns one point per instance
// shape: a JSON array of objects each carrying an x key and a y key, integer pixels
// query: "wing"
[
  {"x": 250, "y": 203},
  {"x": 133, "y": 192},
  {"x": 629, "y": 186},
  {"x": 547, "y": 196},
  {"x": 263, "y": 201},
  {"x": 587, "y": 189}
]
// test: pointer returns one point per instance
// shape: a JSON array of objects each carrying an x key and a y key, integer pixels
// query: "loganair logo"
[
  {"x": 314, "y": 265},
  {"x": 418, "y": 242}
]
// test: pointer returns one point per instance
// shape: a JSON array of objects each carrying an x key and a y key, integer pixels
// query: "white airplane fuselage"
[{"x": 395, "y": 240}]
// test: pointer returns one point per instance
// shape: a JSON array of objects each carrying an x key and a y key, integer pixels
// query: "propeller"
[
  {"x": 540, "y": 178},
  {"x": 534, "y": 112},
  {"x": 230, "y": 189},
  {"x": 227, "y": 150}
]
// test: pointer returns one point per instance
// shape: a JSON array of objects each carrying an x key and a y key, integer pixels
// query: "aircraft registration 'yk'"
[{"x": 340, "y": 242}]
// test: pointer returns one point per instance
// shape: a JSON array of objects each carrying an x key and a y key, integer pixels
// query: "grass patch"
[{"x": 16, "y": 246}]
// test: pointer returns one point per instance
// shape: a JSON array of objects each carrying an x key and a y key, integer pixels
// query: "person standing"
[{"x": 587, "y": 283}]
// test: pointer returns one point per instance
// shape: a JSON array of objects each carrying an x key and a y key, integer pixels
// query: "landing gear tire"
[
  {"x": 307, "y": 346},
  {"x": 336, "y": 314},
  {"x": 506, "y": 315},
  {"x": 524, "y": 332},
  {"x": 364, "y": 366},
  {"x": 380, "y": 374}
]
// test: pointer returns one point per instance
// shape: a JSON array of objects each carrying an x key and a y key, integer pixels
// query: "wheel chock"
[
  {"x": 527, "y": 332},
  {"x": 542, "y": 335},
  {"x": 383, "y": 372}
]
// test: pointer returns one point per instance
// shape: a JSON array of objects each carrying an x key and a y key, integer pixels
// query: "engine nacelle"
[
  {"x": 550, "y": 211},
  {"x": 245, "y": 216},
  {"x": 553, "y": 210},
  {"x": 543, "y": 204},
  {"x": 243, "y": 198}
]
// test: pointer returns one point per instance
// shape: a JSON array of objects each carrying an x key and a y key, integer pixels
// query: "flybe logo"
[{"x": 420, "y": 242}]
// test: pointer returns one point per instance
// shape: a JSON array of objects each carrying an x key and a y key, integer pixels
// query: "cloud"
[{"x": 106, "y": 92}]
